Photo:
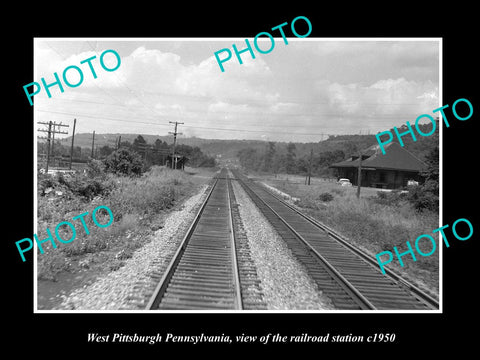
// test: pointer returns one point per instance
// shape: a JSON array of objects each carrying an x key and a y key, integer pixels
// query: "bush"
[
  {"x": 157, "y": 190},
  {"x": 144, "y": 198},
  {"x": 325, "y": 197},
  {"x": 339, "y": 191},
  {"x": 124, "y": 162},
  {"x": 89, "y": 188},
  {"x": 424, "y": 197},
  {"x": 135, "y": 202},
  {"x": 390, "y": 197},
  {"x": 45, "y": 182},
  {"x": 95, "y": 168}
]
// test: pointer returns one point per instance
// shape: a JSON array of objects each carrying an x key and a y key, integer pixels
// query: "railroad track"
[
  {"x": 350, "y": 277},
  {"x": 203, "y": 273}
]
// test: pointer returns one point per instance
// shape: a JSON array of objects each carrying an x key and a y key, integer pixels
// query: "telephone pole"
[
  {"x": 93, "y": 142},
  {"x": 359, "y": 175},
  {"x": 71, "y": 148},
  {"x": 118, "y": 142},
  {"x": 175, "y": 133},
  {"x": 310, "y": 167},
  {"x": 51, "y": 132}
]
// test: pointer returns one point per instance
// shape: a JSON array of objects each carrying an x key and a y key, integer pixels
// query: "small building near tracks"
[
  {"x": 176, "y": 161},
  {"x": 390, "y": 171}
]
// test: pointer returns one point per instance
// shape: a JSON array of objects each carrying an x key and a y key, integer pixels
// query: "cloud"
[
  {"x": 169, "y": 109},
  {"x": 239, "y": 83},
  {"x": 383, "y": 103},
  {"x": 309, "y": 87},
  {"x": 154, "y": 71},
  {"x": 221, "y": 107},
  {"x": 387, "y": 96},
  {"x": 284, "y": 108},
  {"x": 47, "y": 61},
  {"x": 147, "y": 75},
  {"x": 372, "y": 60}
]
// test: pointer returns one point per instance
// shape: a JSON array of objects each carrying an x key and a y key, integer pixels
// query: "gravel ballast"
[
  {"x": 284, "y": 281},
  {"x": 129, "y": 287}
]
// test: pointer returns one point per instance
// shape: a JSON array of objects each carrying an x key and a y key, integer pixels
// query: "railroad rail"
[
  {"x": 203, "y": 273},
  {"x": 350, "y": 277}
]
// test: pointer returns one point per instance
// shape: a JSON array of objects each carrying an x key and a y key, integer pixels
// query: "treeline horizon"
[
  {"x": 254, "y": 154},
  {"x": 316, "y": 158},
  {"x": 152, "y": 154}
]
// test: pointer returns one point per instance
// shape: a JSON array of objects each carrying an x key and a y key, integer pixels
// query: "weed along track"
[
  {"x": 348, "y": 276},
  {"x": 203, "y": 273}
]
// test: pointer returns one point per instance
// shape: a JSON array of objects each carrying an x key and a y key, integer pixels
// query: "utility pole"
[
  {"x": 175, "y": 133},
  {"x": 51, "y": 132},
  {"x": 53, "y": 144},
  {"x": 359, "y": 175},
  {"x": 71, "y": 148},
  {"x": 93, "y": 143},
  {"x": 310, "y": 166}
]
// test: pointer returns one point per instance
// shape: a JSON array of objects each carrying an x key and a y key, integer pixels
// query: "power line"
[
  {"x": 101, "y": 117},
  {"x": 243, "y": 114},
  {"x": 189, "y": 126},
  {"x": 255, "y": 113},
  {"x": 207, "y": 97},
  {"x": 192, "y": 126},
  {"x": 261, "y": 102},
  {"x": 270, "y": 114}
]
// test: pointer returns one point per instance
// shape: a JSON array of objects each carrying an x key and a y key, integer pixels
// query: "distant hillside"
[
  {"x": 228, "y": 149},
  {"x": 85, "y": 139}
]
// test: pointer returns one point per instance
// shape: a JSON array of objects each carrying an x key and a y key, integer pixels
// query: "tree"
[
  {"x": 248, "y": 158},
  {"x": 207, "y": 161},
  {"x": 105, "y": 150},
  {"x": 77, "y": 152},
  {"x": 125, "y": 144},
  {"x": 278, "y": 163},
  {"x": 426, "y": 195},
  {"x": 351, "y": 148},
  {"x": 302, "y": 165},
  {"x": 125, "y": 162},
  {"x": 58, "y": 149},
  {"x": 290, "y": 158},
  {"x": 432, "y": 171},
  {"x": 139, "y": 142},
  {"x": 159, "y": 144},
  {"x": 95, "y": 168},
  {"x": 269, "y": 154}
]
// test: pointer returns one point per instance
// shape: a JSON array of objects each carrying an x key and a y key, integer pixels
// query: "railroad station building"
[{"x": 390, "y": 171}]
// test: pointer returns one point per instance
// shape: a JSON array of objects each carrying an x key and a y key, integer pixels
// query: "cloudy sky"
[{"x": 297, "y": 92}]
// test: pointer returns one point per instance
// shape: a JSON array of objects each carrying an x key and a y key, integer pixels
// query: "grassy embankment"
[
  {"x": 376, "y": 222},
  {"x": 138, "y": 205}
]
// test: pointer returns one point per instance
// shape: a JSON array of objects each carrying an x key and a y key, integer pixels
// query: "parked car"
[{"x": 344, "y": 182}]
